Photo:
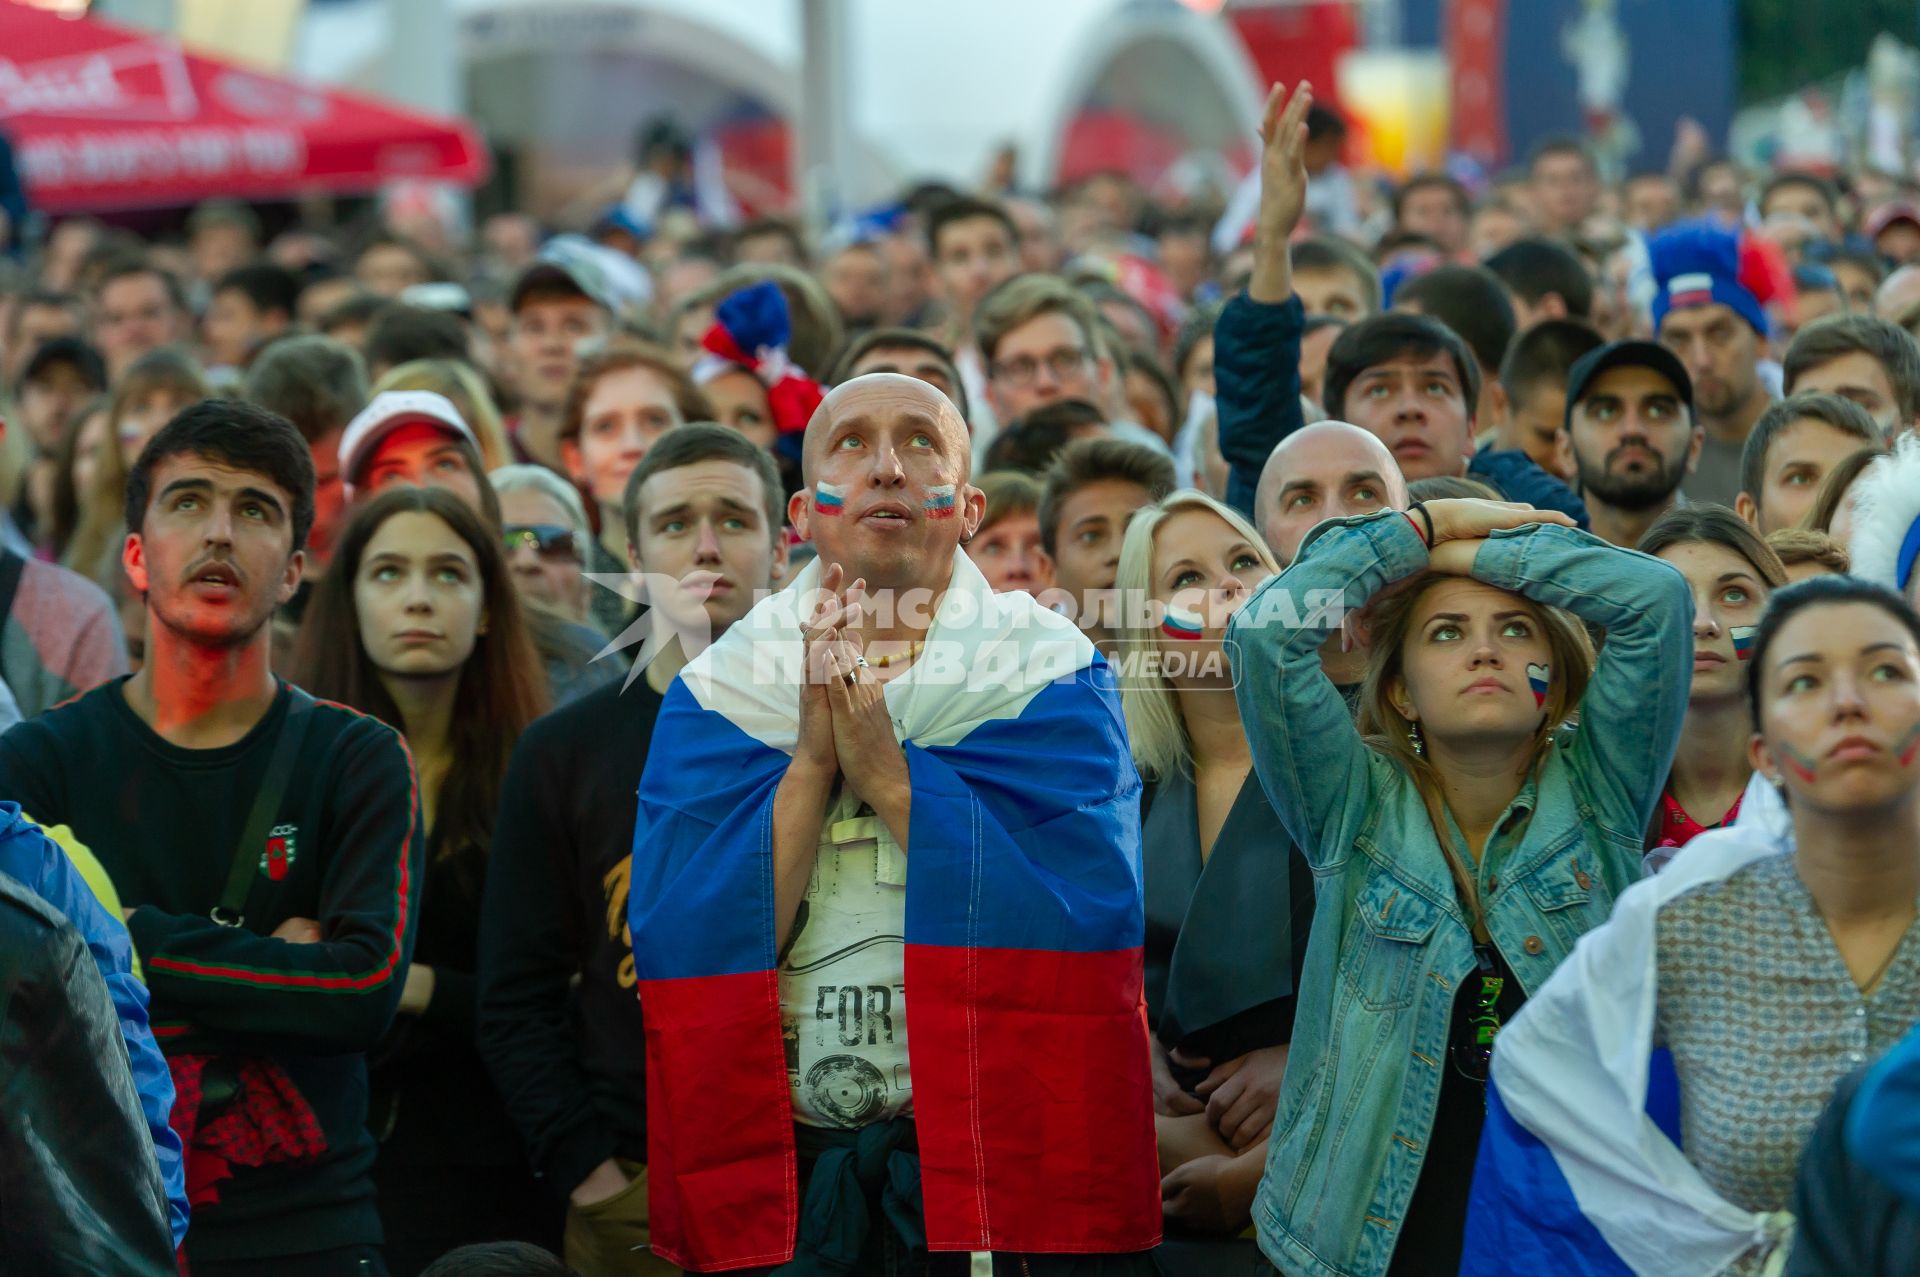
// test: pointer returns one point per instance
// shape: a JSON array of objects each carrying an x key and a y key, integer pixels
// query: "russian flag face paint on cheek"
[
  {"x": 828, "y": 500},
  {"x": 940, "y": 503},
  {"x": 1802, "y": 766},
  {"x": 1909, "y": 747},
  {"x": 1742, "y": 636},
  {"x": 1537, "y": 676},
  {"x": 1181, "y": 624}
]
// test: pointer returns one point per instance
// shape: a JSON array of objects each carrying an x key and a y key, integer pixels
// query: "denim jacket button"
[
  {"x": 1493, "y": 882},
  {"x": 1584, "y": 879},
  {"x": 1533, "y": 945}
]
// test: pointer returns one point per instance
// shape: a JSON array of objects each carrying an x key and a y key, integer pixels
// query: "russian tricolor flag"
[
  {"x": 1694, "y": 289},
  {"x": 1026, "y": 1027},
  {"x": 1580, "y": 1172},
  {"x": 1178, "y": 623}
]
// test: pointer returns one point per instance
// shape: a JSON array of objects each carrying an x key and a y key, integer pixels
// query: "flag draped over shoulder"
[
  {"x": 1578, "y": 1174},
  {"x": 1026, "y": 1030}
]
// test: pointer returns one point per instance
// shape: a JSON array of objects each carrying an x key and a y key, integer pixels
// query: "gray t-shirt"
[
  {"x": 843, "y": 983},
  {"x": 1717, "y": 478}
]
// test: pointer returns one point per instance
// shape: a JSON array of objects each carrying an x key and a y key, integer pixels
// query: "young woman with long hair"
[
  {"x": 1229, "y": 904},
  {"x": 82, "y": 439},
  {"x": 1462, "y": 838},
  {"x": 1770, "y": 961},
  {"x": 153, "y": 388},
  {"x": 418, "y": 624},
  {"x": 1731, "y": 572}
]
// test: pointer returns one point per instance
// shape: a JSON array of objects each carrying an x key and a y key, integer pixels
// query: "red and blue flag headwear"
[
  {"x": 751, "y": 332},
  {"x": 1698, "y": 264}
]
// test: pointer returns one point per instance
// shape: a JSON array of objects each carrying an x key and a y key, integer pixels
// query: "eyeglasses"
[
  {"x": 1022, "y": 369},
  {"x": 550, "y": 540}
]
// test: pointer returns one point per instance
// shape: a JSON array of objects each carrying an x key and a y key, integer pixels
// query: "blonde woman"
[
  {"x": 153, "y": 388},
  {"x": 468, "y": 390},
  {"x": 1228, "y": 900},
  {"x": 1461, "y": 841}
]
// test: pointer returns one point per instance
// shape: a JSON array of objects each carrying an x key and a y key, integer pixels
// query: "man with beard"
[
  {"x": 1707, "y": 317},
  {"x": 1630, "y": 418}
]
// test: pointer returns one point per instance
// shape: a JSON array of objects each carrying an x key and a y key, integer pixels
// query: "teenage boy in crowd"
[
  {"x": 1407, "y": 379},
  {"x": 974, "y": 247},
  {"x": 1534, "y": 376},
  {"x": 267, "y": 846},
  {"x": 1092, "y": 489},
  {"x": 1707, "y": 317},
  {"x": 559, "y": 1018},
  {"x": 1869, "y": 360},
  {"x": 1335, "y": 279},
  {"x": 558, "y": 306},
  {"x": 1635, "y": 441},
  {"x": 1792, "y": 447}
]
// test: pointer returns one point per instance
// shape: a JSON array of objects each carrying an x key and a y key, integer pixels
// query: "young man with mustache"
[{"x": 268, "y": 847}]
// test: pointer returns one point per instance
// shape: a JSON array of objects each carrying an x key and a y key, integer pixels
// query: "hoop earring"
[{"x": 1415, "y": 739}]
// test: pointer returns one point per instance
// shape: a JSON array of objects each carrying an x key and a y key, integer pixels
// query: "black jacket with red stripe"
[{"x": 345, "y": 849}]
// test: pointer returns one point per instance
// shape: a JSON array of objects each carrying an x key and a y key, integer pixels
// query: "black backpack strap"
[
  {"x": 12, "y": 566},
  {"x": 231, "y": 911}
]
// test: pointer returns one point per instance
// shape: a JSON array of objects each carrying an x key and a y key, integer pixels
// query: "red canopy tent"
[{"x": 103, "y": 117}]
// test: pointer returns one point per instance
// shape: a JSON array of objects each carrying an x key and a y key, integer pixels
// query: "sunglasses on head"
[{"x": 550, "y": 540}]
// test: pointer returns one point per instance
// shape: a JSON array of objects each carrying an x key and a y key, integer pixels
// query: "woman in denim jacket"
[{"x": 1424, "y": 943}]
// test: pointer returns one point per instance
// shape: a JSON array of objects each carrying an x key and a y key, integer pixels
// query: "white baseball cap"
[{"x": 390, "y": 410}]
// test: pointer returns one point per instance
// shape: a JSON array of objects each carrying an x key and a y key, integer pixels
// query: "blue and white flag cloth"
[
  {"x": 1578, "y": 1174},
  {"x": 1024, "y": 921}
]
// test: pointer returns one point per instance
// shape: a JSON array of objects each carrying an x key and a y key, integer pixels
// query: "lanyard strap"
[{"x": 231, "y": 911}]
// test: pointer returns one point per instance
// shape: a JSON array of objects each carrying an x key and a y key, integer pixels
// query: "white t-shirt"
[{"x": 843, "y": 1008}]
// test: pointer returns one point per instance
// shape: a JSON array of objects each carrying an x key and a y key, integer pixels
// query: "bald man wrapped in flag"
[{"x": 886, "y": 900}]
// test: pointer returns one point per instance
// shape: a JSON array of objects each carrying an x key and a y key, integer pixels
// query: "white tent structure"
[{"x": 900, "y": 88}]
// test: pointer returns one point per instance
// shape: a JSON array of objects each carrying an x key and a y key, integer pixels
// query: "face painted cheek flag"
[
  {"x": 1179, "y": 623},
  {"x": 940, "y": 501},
  {"x": 1580, "y": 1171},
  {"x": 1024, "y": 925},
  {"x": 1537, "y": 679},
  {"x": 1742, "y": 636},
  {"x": 828, "y": 500}
]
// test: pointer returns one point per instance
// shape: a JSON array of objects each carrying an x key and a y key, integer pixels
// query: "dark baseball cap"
[
  {"x": 1626, "y": 354},
  {"x": 67, "y": 350}
]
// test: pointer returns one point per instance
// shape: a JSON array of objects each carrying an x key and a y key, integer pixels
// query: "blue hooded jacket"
[{"x": 38, "y": 863}]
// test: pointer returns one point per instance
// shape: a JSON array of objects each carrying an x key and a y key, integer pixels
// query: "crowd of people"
[{"x": 496, "y": 731}]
